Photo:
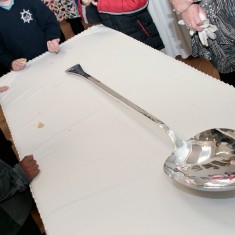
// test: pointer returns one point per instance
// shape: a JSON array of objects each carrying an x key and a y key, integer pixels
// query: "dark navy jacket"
[{"x": 25, "y": 30}]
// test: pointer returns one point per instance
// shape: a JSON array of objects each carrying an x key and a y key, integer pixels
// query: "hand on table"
[
  {"x": 18, "y": 64},
  {"x": 53, "y": 45},
  {"x": 30, "y": 166}
]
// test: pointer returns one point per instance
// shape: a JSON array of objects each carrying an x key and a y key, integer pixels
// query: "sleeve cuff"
[{"x": 20, "y": 172}]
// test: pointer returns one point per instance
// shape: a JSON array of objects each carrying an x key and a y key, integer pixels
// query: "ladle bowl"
[{"x": 202, "y": 162}]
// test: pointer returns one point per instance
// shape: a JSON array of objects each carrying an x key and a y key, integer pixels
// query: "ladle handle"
[{"x": 77, "y": 70}]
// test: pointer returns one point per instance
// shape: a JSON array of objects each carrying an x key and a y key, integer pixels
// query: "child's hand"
[
  {"x": 53, "y": 45},
  {"x": 94, "y": 2},
  {"x": 18, "y": 64},
  {"x": 30, "y": 166},
  {"x": 86, "y": 2},
  {"x": 4, "y": 88}
]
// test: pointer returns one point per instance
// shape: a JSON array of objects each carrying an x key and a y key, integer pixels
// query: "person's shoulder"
[
  {"x": 24, "y": 2},
  {"x": 31, "y": 2}
]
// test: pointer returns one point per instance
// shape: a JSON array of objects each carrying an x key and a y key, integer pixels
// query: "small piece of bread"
[
  {"x": 22, "y": 60},
  {"x": 40, "y": 125}
]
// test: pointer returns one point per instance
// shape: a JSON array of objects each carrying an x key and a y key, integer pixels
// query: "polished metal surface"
[{"x": 202, "y": 162}]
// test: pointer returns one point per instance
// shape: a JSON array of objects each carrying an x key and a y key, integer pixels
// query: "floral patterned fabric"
[
  {"x": 221, "y": 51},
  {"x": 63, "y": 9}
]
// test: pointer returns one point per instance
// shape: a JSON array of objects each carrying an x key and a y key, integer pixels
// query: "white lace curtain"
[{"x": 175, "y": 37}]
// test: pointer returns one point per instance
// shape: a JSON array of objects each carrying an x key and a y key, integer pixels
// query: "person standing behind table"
[
  {"x": 221, "y": 51},
  {"x": 15, "y": 197},
  {"x": 129, "y": 17},
  {"x": 66, "y": 10},
  {"x": 27, "y": 29}
]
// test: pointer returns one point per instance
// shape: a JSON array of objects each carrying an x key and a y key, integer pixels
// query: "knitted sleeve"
[{"x": 46, "y": 19}]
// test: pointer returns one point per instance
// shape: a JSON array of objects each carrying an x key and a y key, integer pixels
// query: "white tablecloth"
[{"x": 102, "y": 163}]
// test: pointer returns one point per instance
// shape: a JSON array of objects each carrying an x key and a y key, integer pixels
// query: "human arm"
[
  {"x": 52, "y": 29},
  {"x": 191, "y": 17},
  {"x": 182, "y": 5},
  {"x": 88, "y": 12},
  {"x": 53, "y": 45},
  {"x": 17, "y": 178},
  {"x": 5, "y": 57},
  {"x": 9, "y": 62},
  {"x": 46, "y": 20}
]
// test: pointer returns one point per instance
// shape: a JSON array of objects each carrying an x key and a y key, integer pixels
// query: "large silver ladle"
[{"x": 203, "y": 162}]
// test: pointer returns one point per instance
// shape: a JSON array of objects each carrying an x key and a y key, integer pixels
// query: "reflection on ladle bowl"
[{"x": 204, "y": 161}]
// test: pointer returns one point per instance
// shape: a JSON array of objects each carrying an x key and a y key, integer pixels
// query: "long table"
[{"x": 102, "y": 162}]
